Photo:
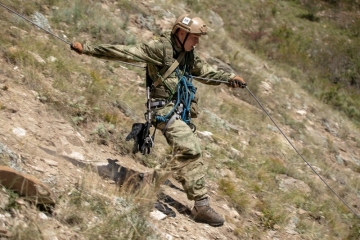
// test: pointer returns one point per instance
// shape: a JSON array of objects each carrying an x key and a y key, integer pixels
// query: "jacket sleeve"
[
  {"x": 204, "y": 70},
  {"x": 150, "y": 52}
]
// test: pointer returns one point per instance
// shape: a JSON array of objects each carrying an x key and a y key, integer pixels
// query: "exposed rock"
[
  {"x": 5, "y": 233},
  {"x": 215, "y": 20},
  {"x": 287, "y": 184},
  {"x": 26, "y": 185},
  {"x": 20, "y": 132},
  {"x": 21, "y": 32},
  {"x": 266, "y": 87},
  {"x": 205, "y": 135},
  {"x": 50, "y": 162},
  {"x": 301, "y": 112},
  {"x": 51, "y": 59},
  {"x": 37, "y": 57},
  {"x": 58, "y": 156},
  {"x": 157, "y": 215}
]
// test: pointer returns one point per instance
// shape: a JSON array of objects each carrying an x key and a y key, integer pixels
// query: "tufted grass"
[{"x": 105, "y": 96}]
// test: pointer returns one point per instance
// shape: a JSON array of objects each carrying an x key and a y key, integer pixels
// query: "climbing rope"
[
  {"x": 185, "y": 93},
  {"x": 307, "y": 163},
  {"x": 188, "y": 87},
  {"x": 52, "y": 34}
]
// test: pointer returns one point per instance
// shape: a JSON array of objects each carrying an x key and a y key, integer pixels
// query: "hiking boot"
[{"x": 202, "y": 212}]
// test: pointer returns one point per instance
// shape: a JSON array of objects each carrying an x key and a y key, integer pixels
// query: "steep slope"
[{"x": 255, "y": 178}]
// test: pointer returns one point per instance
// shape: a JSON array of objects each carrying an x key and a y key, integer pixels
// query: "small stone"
[
  {"x": 20, "y": 132},
  {"x": 42, "y": 216},
  {"x": 157, "y": 215}
]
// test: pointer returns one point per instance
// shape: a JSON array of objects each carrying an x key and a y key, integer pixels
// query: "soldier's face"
[{"x": 191, "y": 41}]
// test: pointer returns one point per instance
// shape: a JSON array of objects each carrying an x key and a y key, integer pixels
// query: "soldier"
[{"x": 171, "y": 62}]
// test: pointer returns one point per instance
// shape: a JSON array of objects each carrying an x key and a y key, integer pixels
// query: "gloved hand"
[
  {"x": 237, "y": 82},
  {"x": 77, "y": 47}
]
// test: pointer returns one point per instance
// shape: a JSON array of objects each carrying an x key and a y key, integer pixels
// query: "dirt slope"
[{"x": 49, "y": 147}]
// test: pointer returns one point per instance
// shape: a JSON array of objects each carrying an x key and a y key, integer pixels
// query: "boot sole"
[{"x": 211, "y": 224}]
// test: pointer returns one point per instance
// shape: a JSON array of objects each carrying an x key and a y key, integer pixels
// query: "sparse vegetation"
[
  {"x": 314, "y": 43},
  {"x": 112, "y": 216},
  {"x": 320, "y": 47}
]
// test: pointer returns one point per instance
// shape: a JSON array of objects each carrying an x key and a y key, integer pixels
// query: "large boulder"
[{"x": 26, "y": 186}]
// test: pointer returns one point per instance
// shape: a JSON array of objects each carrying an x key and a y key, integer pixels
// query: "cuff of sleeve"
[
  {"x": 86, "y": 48},
  {"x": 232, "y": 75}
]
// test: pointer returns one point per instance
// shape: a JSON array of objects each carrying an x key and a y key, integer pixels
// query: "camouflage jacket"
[{"x": 152, "y": 53}]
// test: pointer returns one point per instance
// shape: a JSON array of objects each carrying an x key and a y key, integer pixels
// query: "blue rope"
[{"x": 185, "y": 94}]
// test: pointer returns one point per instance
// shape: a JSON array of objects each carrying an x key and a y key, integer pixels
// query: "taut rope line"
[
  {"x": 211, "y": 80},
  {"x": 26, "y": 19},
  {"x": 311, "y": 167}
]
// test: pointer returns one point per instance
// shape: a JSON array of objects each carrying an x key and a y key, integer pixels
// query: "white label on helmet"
[{"x": 186, "y": 20}]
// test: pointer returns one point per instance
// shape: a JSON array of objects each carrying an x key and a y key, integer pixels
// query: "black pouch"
[{"x": 140, "y": 132}]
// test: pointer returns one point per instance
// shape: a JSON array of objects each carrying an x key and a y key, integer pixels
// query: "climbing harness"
[
  {"x": 181, "y": 110},
  {"x": 185, "y": 93}
]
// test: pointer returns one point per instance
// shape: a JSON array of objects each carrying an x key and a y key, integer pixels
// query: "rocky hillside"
[{"x": 64, "y": 118}]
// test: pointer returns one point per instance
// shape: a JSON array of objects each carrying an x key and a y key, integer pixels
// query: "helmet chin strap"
[{"x": 182, "y": 44}]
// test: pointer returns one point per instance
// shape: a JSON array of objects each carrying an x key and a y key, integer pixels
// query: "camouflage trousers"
[{"x": 186, "y": 159}]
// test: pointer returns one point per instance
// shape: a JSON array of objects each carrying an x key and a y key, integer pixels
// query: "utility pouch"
[
  {"x": 194, "y": 109},
  {"x": 142, "y": 140}
]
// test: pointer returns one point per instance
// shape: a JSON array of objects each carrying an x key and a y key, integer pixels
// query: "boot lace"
[{"x": 211, "y": 210}]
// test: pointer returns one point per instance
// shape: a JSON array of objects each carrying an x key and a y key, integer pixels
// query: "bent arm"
[{"x": 204, "y": 70}]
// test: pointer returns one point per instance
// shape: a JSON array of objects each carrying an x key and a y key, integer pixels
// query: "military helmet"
[{"x": 190, "y": 24}]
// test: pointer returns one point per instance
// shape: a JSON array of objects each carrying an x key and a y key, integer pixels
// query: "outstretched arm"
[{"x": 149, "y": 52}]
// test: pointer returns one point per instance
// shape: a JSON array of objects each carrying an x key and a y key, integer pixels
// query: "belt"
[{"x": 159, "y": 93}]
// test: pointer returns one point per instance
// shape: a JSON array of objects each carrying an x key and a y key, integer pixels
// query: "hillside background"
[{"x": 61, "y": 113}]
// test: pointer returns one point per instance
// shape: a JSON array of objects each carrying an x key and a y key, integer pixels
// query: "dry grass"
[
  {"x": 99, "y": 209},
  {"x": 99, "y": 95}
]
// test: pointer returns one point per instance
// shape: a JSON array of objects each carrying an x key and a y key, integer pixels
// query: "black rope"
[
  {"x": 333, "y": 191},
  {"x": 52, "y": 34},
  {"x": 211, "y": 80},
  {"x": 9, "y": 9}
]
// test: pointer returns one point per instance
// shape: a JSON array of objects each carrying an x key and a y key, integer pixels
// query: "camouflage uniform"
[{"x": 186, "y": 158}]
